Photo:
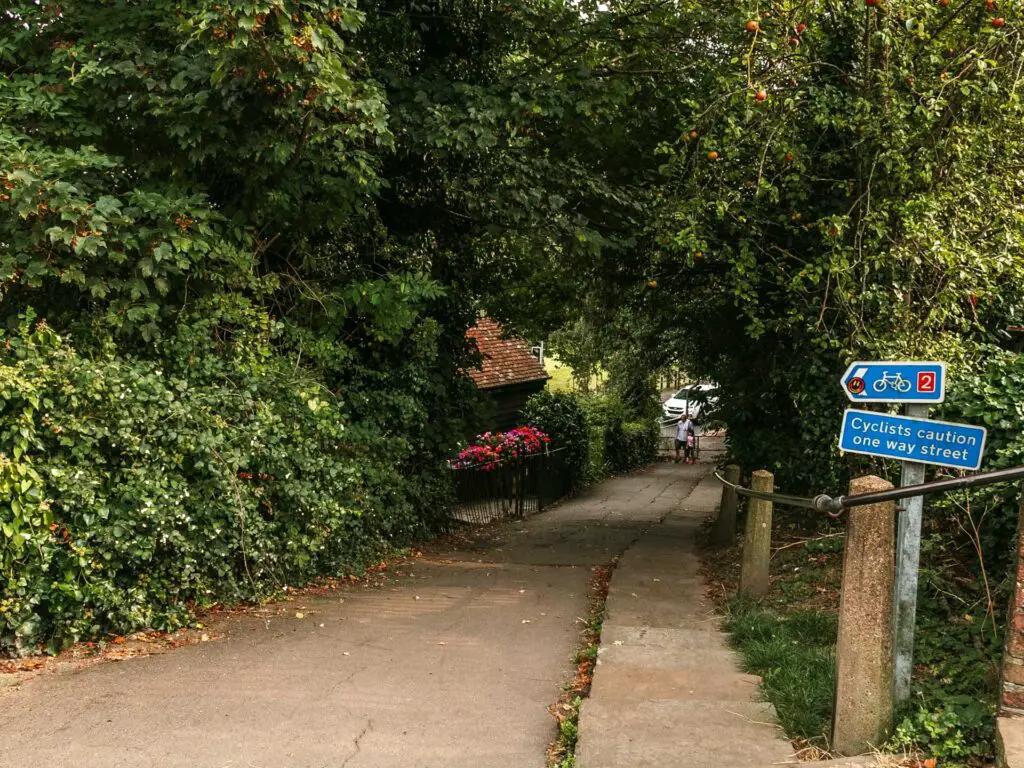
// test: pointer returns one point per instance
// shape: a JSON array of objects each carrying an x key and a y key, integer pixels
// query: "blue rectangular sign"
[
  {"x": 909, "y": 439},
  {"x": 895, "y": 382}
]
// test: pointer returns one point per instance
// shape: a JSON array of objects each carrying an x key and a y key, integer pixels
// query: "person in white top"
[{"x": 684, "y": 437}]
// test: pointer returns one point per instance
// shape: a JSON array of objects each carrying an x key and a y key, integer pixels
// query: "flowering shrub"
[{"x": 493, "y": 448}]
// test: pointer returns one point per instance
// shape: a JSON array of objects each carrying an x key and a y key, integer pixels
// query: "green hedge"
[
  {"x": 137, "y": 492},
  {"x": 630, "y": 445},
  {"x": 596, "y": 429},
  {"x": 562, "y": 417}
]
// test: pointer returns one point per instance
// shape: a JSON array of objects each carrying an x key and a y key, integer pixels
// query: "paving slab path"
[
  {"x": 667, "y": 690},
  {"x": 451, "y": 664}
]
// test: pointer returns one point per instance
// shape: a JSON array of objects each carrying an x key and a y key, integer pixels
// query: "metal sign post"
[
  {"x": 915, "y": 441},
  {"x": 908, "y": 556}
]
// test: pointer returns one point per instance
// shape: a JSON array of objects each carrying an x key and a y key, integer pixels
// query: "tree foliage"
[
  {"x": 267, "y": 225},
  {"x": 240, "y": 245},
  {"x": 835, "y": 181}
]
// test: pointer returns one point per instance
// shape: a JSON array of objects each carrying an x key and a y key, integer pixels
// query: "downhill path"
[
  {"x": 667, "y": 691},
  {"x": 451, "y": 664}
]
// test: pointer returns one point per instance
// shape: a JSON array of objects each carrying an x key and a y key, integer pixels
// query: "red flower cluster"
[{"x": 492, "y": 449}]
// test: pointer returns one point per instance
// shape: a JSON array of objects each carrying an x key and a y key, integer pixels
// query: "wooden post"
[
  {"x": 757, "y": 541},
  {"x": 725, "y": 524},
  {"x": 864, "y": 658}
]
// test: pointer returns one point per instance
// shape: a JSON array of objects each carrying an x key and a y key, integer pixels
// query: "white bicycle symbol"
[{"x": 895, "y": 380}]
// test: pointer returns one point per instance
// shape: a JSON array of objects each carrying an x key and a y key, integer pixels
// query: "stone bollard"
[
  {"x": 725, "y": 525},
  {"x": 757, "y": 541},
  {"x": 864, "y": 663}
]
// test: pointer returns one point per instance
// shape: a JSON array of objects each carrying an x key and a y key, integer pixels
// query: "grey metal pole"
[{"x": 908, "y": 555}]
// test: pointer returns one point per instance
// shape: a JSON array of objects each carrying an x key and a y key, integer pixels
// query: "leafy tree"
[
  {"x": 249, "y": 238},
  {"x": 839, "y": 180}
]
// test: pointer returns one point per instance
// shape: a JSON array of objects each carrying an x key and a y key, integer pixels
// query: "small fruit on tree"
[
  {"x": 712, "y": 155},
  {"x": 801, "y": 27},
  {"x": 943, "y": 2},
  {"x": 761, "y": 94},
  {"x": 752, "y": 26},
  {"x": 794, "y": 41},
  {"x": 698, "y": 255},
  {"x": 870, "y": 3},
  {"x": 998, "y": 22},
  {"x": 693, "y": 134},
  {"x": 789, "y": 157},
  {"x": 652, "y": 283}
]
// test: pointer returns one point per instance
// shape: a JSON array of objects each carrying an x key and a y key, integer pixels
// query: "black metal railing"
[
  {"x": 836, "y": 505},
  {"x": 514, "y": 488}
]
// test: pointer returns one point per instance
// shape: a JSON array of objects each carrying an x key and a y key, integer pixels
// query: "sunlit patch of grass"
[{"x": 795, "y": 657}]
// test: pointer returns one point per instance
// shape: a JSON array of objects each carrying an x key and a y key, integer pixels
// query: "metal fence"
[{"x": 515, "y": 488}]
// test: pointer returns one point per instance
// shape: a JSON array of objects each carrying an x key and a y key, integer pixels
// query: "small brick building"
[{"x": 508, "y": 375}]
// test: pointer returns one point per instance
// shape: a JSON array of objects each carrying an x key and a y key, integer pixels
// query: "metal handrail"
[
  {"x": 781, "y": 498},
  {"x": 835, "y": 505}
]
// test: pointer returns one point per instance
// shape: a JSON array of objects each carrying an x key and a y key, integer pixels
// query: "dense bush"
[
  {"x": 630, "y": 445},
  {"x": 601, "y": 411},
  {"x": 561, "y": 415},
  {"x": 617, "y": 443},
  {"x": 993, "y": 398},
  {"x": 139, "y": 492}
]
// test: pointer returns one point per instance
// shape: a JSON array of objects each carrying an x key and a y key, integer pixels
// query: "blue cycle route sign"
[
  {"x": 910, "y": 439},
  {"x": 895, "y": 382}
]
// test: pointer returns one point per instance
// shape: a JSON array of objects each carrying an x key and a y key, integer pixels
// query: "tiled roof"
[{"x": 506, "y": 361}]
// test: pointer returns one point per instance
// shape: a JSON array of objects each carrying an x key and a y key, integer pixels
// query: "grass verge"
[
  {"x": 794, "y": 654},
  {"x": 562, "y": 752},
  {"x": 788, "y": 638}
]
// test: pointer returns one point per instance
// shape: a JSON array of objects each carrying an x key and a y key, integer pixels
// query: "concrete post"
[
  {"x": 864, "y": 660},
  {"x": 757, "y": 541},
  {"x": 725, "y": 524},
  {"x": 1011, "y": 693}
]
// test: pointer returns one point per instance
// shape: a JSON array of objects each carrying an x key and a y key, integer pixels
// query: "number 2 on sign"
[{"x": 926, "y": 381}]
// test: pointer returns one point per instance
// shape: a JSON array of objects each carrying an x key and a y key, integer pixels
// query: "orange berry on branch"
[
  {"x": 712, "y": 155},
  {"x": 752, "y": 26},
  {"x": 998, "y": 22}
]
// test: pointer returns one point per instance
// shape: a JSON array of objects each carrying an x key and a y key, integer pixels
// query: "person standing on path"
[{"x": 684, "y": 437}]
